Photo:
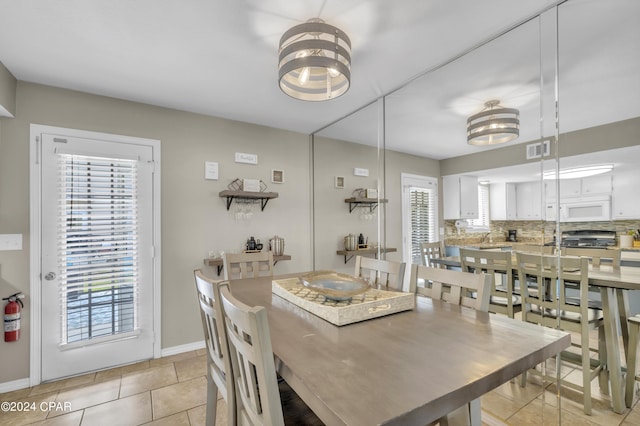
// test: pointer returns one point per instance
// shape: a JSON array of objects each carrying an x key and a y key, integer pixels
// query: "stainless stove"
[{"x": 588, "y": 239}]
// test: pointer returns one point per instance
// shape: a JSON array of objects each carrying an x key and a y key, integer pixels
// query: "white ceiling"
[{"x": 219, "y": 58}]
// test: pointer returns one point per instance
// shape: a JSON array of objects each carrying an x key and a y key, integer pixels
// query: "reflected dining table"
[
  {"x": 613, "y": 285},
  {"x": 407, "y": 368}
]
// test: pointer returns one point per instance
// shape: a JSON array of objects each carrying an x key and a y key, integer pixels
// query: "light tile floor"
[{"x": 171, "y": 391}]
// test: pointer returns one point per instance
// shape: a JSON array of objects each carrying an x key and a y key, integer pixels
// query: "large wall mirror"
[{"x": 575, "y": 84}]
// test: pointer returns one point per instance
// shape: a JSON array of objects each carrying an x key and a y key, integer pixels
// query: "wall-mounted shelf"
[
  {"x": 372, "y": 203},
  {"x": 348, "y": 254},
  {"x": 264, "y": 197},
  {"x": 217, "y": 261}
]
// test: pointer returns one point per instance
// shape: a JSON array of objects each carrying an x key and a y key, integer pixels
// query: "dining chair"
[
  {"x": 261, "y": 398},
  {"x": 551, "y": 305},
  {"x": 459, "y": 288},
  {"x": 595, "y": 256},
  {"x": 633, "y": 374},
  {"x": 247, "y": 265},
  {"x": 383, "y": 274},
  {"x": 533, "y": 248},
  {"x": 430, "y": 251},
  {"x": 455, "y": 287},
  {"x": 219, "y": 376},
  {"x": 497, "y": 264}
]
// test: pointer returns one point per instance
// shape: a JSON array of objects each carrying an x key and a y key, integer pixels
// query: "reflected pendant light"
[
  {"x": 315, "y": 61},
  {"x": 494, "y": 124}
]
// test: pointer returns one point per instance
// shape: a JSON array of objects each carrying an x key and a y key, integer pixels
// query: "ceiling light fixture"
[
  {"x": 315, "y": 61},
  {"x": 493, "y": 125},
  {"x": 578, "y": 172}
]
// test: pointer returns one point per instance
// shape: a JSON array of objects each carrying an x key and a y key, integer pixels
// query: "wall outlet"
[{"x": 10, "y": 241}]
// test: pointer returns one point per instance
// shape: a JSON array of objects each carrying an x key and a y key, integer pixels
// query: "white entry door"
[
  {"x": 419, "y": 214},
  {"x": 97, "y": 241}
]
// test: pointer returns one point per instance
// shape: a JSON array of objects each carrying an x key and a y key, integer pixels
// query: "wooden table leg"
[{"x": 611, "y": 318}]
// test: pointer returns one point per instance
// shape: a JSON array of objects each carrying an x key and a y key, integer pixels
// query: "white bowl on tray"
[{"x": 334, "y": 285}]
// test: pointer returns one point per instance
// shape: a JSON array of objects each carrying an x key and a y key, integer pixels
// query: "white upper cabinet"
[
  {"x": 592, "y": 185},
  {"x": 460, "y": 197},
  {"x": 597, "y": 185},
  {"x": 502, "y": 201},
  {"x": 625, "y": 192},
  {"x": 529, "y": 201}
]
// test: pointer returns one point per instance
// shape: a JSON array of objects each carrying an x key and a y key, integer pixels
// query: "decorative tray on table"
[{"x": 341, "y": 299}]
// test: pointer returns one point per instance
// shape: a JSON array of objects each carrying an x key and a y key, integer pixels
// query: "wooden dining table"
[
  {"x": 407, "y": 368},
  {"x": 613, "y": 283}
]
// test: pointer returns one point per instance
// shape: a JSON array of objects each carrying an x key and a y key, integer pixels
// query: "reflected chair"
[
  {"x": 549, "y": 305},
  {"x": 596, "y": 256},
  {"x": 382, "y": 274},
  {"x": 533, "y": 248},
  {"x": 219, "y": 376},
  {"x": 259, "y": 396},
  {"x": 633, "y": 373},
  {"x": 458, "y": 288},
  {"x": 247, "y": 265},
  {"x": 430, "y": 251},
  {"x": 497, "y": 264}
]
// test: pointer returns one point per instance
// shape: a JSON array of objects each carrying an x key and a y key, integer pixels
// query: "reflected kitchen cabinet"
[
  {"x": 528, "y": 205},
  {"x": 592, "y": 185},
  {"x": 625, "y": 203},
  {"x": 460, "y": 196},
  {"x": 502, "y": 201}
]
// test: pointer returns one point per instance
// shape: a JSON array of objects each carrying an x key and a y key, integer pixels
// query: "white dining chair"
[
  {"x": 382, "y": 274},
  {"x": 219, "y": 377},
  {"x": 595, "y": 256},
  {"x": 552, "y": 306},
  {"x": 429, "y": 251},
  {"x": 497, "y": 264},
  {"x": 459, "y": 288},
  {"x": 259, "y": 394},
  {"x": 247, "y": 265}
]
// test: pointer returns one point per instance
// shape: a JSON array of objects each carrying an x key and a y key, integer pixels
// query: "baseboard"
[
  {"x": 174, "y": 350},
  {"x": 14, "y": 385}
]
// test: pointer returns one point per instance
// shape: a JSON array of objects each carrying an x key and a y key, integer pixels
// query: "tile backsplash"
[{"x": 535, "y": 232}]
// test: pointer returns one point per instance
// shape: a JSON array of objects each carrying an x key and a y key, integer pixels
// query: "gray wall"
[
  {"x": 609, "y": 136},
  {"x": 194, "y": 217},
  {"x": 8, "y": 85},
  {"x": 332, "y": 220}
]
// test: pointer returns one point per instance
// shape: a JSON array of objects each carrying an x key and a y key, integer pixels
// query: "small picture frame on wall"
[
  {"x": 277, "y": 176},
  {"x": 339, "y": 182}
]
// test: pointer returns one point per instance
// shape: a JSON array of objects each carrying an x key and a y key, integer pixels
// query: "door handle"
[{"x": 50, "y": 276}]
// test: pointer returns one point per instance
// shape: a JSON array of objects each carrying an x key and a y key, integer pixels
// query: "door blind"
[
  {"x": 423, "y": 220},
  {"x": 98, "y": 247}
]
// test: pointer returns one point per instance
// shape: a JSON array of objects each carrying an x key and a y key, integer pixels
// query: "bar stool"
[{"x": 632, "y": 358}]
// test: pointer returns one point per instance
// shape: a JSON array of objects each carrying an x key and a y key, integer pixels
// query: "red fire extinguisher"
[{"x": 12, "y": 317}]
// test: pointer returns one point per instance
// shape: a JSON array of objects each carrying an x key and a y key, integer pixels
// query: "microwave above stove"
[{"x": 591, "y": 209}]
